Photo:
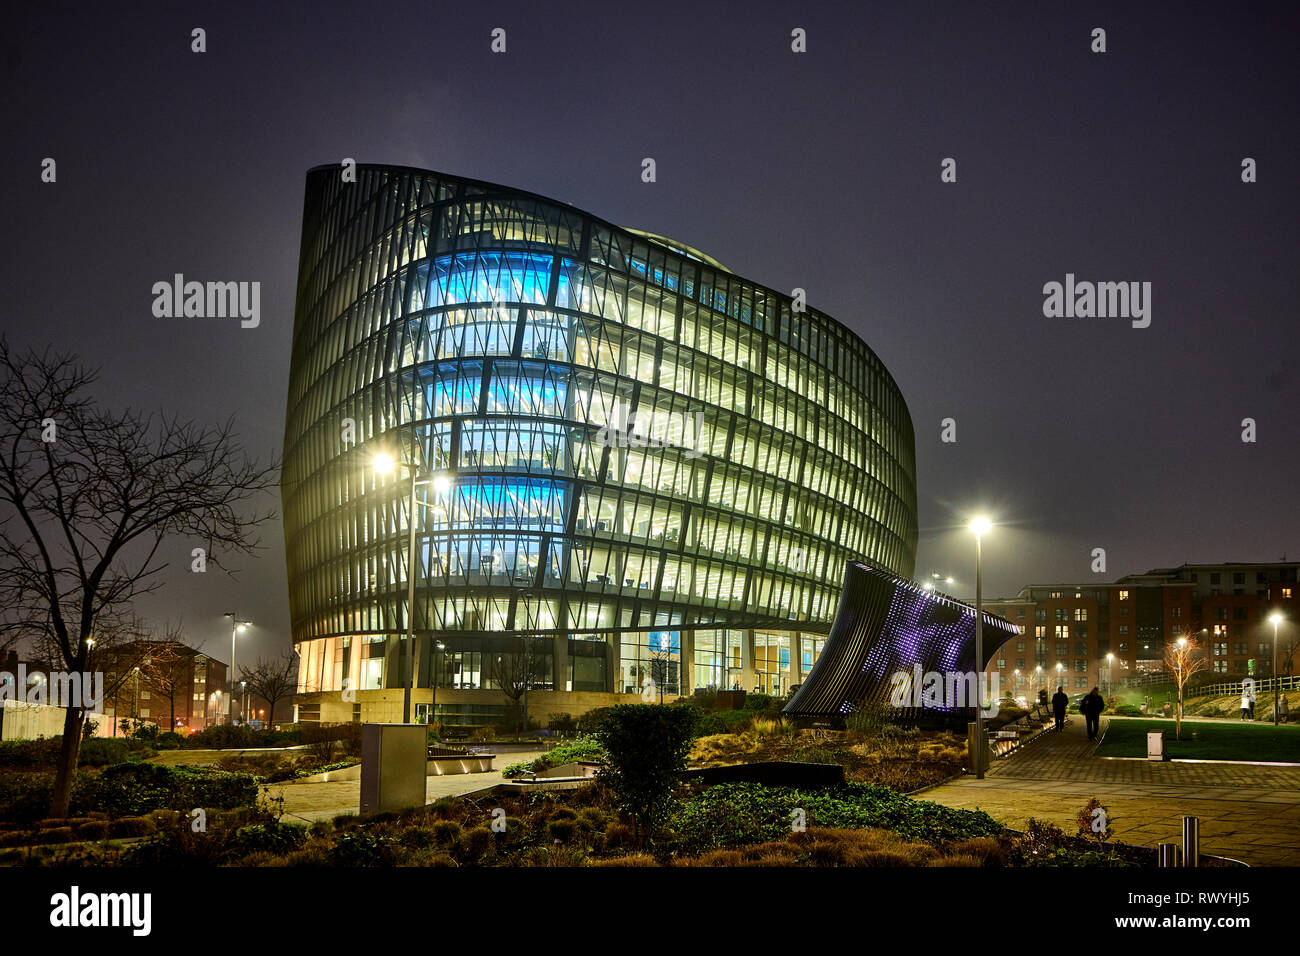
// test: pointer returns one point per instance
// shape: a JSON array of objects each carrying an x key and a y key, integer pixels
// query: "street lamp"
[
  {"x": 1110, "y": 674},
  {"x": 385, "y": 464},
  {"x": 243, "y": 701},
  {"x": 236, "y": 627},
  {"x": 1275, "y": 619},
  {"x": 979, "y": 526}
]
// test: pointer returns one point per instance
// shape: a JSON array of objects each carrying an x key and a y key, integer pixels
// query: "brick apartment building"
[{"x": 1114, "y": 635}]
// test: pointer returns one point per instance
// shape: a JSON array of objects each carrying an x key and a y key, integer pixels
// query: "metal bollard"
[
  {"x": 1191, "y": 841},
  {"x": 1167, "y": 855}
]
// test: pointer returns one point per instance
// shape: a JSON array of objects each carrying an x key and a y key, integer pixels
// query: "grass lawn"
[{"x": 1218, "y": 740}]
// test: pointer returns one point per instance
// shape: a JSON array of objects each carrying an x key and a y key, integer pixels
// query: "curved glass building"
[{"x": 629, "y": 464}]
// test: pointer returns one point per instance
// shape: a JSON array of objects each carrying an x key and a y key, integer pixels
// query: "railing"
[{"x": 1262, "y": 686}]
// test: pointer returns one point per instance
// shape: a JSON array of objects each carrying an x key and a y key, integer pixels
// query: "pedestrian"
[
  {"x": 1252, "y": 705},
  {"x": 1092, "y": 706},
  {"x": 1245, "y": 704},
  {"x": 1059, "y": 703},
  {"x": 1282, "y": 709}
]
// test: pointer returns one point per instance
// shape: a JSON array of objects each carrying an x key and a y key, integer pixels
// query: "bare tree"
[
  {"x": 515, "y": 671},
  {"x": 168, "y": 667},
  {"x": 1184, "y": 659},
  {"x": 273, "y": 680},
  {"x": 87, "y": 498}
]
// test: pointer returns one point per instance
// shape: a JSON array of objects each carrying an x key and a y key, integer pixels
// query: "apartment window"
[
  {"x": 1080, "y": 683},
  {"x": 1020, "y": 645},
  {"x": 1020, "y": 662},
  {"x": 1040, "y": 615},
  {"x": 1080, "y": 666},
  {"x": 1123, "y": 595},
  {"x": 1286, "y": 594},
  {"x": 1020, "y": 612},
  {"x": 1260, "y": 577},
  {"x": 1081, "y": 614},
  {"x": 1062, "y": 648},
  {"x": 1220, "y": 613},
  {"x": 1214, "y": 578},
  {"x": 1123, "y": 629},
  {"x": 1221, "y": 649},
  {"x": 1220, "y": 667},
  {"x": 1062, "y": 632},
  {"x": 1239, "y": 613},
  {"x": 1177, "y": 630},
  {"x": 1123, "y": 647},
  {"x": 1240, "y": 649},
  {"x": 1081, "y": 630},
  {"x": 1176, "y": 613},
  {"x": 1123, "y": 612},
  {"x": 1062, "y": 613},
  {"x": 1238, "y": 577},
  {"x": 1056, "y": 594},
  {"x": 1081, "y": 647}
]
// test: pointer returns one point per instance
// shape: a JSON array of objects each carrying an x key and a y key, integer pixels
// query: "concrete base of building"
[{"x": 385, "y": 706}]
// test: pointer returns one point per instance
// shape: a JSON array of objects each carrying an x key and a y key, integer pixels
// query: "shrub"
[
  {"x": 561, "y": 831},
  {"x": 476, "y": 843},
  {"x": 446, "y": 832},
  {"x": 562, "y": 723},
  {"x": 362, "y": 848},
  {"x": 92, "y": 830},
  {"x": 742, "y": 813},
  {"x": 135, "y": 788},
  {"x": 124, "y": 827},
  {"x": 271, "y": 837},
  {"x": 646, "y": 747},
  {"x": 169, "y": 740}
]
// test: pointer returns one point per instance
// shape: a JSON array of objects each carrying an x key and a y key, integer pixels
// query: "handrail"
[{"x": 1234, "y": 687}]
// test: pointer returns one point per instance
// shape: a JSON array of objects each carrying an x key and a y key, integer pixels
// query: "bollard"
[
  {"x": 1167, "y": 855},
  {"x": 1191, "y": 841}
]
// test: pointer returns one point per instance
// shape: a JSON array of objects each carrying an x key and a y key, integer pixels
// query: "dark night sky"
[{"x": 818, "y": 170}]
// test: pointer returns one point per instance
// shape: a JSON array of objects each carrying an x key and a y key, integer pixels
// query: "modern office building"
[
  {"x": 629, "y": 464},
  {"x": 1090, "y": 634}
]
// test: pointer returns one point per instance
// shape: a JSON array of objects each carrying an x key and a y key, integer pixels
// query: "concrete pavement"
[{"x": 1249, "y": 813}]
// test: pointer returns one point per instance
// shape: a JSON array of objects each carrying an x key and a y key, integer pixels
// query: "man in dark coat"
[
  {"x": 1059, "y": 703},
  {"x": 1092, "y": 707}
]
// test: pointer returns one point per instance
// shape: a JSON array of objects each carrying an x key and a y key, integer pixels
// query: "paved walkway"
[
  {"x": 1248, "y": 813},
  {"x": 324, "y": 801}
]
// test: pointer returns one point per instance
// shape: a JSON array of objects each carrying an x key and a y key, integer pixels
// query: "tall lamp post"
[
  {"x": 236, "y": 627},
  {"x": 979, "y": 526},
  {"x": 1275, "y": 619},
  {"x": 384, "y": 464}
]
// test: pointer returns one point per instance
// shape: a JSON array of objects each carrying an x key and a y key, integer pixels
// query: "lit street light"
[
  {"x": 1275, "y": 619},
  {"x": 385, "y": 464},
  {"x": 980, "y": 527},
  {"x": 236, "y": 627}
]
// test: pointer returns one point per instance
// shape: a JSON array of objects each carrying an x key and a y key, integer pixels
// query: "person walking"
[
  {"x": 1092, "y": 706},
  {"x": 1059, "y": 703},
  {"x": 1245, "y": 704}
]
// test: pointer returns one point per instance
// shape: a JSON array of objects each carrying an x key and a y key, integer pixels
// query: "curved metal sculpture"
[{"x": 889, "y": 639}]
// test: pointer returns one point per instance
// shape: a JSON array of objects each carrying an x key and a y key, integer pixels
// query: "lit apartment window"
[
  {"x": 1040, "y": 631},
  {"x": 1081, "y": 614},
  {"x": 1123, "y": 595},
  {"x": 1062, "y": 632},
  {"x": 1056, "y": 594},
  {"x": 1286, "y": 594}
]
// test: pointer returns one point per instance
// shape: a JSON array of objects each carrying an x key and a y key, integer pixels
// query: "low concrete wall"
[{"x": 437, "y": 767}]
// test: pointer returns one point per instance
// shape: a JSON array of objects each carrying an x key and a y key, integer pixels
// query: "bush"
[
  {"x": 135, "y": 788},
  {"x": 646, "y": 747},
  {"x": 742, "y": 813},
  {"x": 1129, "y": 710},
  {"x": 131, "y": 827},
  {"x": 169, "y": 741},
  {"x": 92, "y": 830},
  {"x": 272, "y": 837},
  {"x": 476, "y": 843},
  {"x": 362, "y": 848}
]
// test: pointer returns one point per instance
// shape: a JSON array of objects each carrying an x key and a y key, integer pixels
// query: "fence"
[{"x": 1262, "y": 686}]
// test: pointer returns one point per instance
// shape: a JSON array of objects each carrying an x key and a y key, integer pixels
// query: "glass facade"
[{"x": 619, "y": 447}]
